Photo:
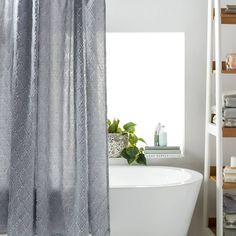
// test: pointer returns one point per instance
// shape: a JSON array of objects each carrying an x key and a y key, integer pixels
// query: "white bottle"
[{"x": 162, "y": 137}]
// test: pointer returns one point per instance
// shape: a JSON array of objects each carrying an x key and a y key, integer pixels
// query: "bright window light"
[{"x": 145, "y": 82}]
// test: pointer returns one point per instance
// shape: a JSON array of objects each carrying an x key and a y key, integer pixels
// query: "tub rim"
[{"x": 195, "y": 177}]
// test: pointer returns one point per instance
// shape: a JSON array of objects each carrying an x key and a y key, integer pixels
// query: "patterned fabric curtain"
[{"x": 53, "y": 144}]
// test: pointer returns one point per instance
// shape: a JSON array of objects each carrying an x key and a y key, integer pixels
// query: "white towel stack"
[{"x": 228, "y": 110}]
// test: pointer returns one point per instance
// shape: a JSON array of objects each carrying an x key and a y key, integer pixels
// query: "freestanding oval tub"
[{"x": 152, "y": 200}]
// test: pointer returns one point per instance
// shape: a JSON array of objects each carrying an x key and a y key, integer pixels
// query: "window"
[{"x": 145, "y": 82}]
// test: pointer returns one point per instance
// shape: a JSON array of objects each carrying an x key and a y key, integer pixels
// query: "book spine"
[
  {"x": 229, "y": 172},
  {"x": 229, "y": 179},
  {"x": 162, "y": 155},
  {"x": 162, "y": 152},
  {"x": 162, "y": 148}
]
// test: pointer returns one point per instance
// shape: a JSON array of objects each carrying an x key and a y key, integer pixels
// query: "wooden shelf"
[
  {"x": 230, "y": 19},
  {"x": 212, "y": 225},
  {"x": 227, "y": 132},
  {"x": 225, "y": 185},
  {"x": 224, "y": 70},
  {"x": 213, "y": 178},
  {"x": 227, "y": 18}
]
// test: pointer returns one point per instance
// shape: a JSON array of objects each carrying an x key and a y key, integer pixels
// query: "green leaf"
[
  {"x": 125, "y": 154},
  {"x": 133, "y": 139},
  {"x": 130, "y": 161},
  {"x": 129, "y": 127},
  {"x": 129, "y": 158},
  {"x": 141, "y": 159},
  {"x": 108, "y": 122},
  {"x": 130, "y": 154},
  {"x": 132, "y": 151},
  {"x": 114, "y": 126},
  {"x": 141, "y": 140},
  {"x": 119, "y": 130}
]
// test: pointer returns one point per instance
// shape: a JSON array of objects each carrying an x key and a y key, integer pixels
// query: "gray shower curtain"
[{"x": 53, "y": 148}]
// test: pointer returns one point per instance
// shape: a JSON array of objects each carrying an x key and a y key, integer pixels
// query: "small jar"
[{"x": 231, "y": 61}]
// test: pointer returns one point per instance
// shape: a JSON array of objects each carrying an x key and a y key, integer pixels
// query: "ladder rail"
[
  {"x": 208, "y": 112},
  {"x": 219, "y": 143}
]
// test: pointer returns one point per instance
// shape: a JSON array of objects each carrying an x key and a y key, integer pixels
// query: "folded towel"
[
  {"x": 227, "y": 112},
  {"x": 229, "y": 203},
  {"x": 230, "y": 221},
  {"x": 230, "y": 6},
  {"x": 225, "y": 122},
  {"x": 229, "y": 98},
  {"x": 231, "y": 93},
  {"x": 230, "y": 11},
  {"x": 230, "y": 102}
]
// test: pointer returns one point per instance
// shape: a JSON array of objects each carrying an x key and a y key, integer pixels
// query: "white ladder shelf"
[{"x": 216, "y": 17}]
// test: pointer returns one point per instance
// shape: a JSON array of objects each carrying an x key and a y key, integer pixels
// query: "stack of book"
[
  {"x": 162, "y": 152},
  {"x": 229, "y": 174}
]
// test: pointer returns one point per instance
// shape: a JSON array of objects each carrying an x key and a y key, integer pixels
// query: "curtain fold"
[
  {"x": 23, "y": 124},
  {"x": 6, "y": 56},
  {"x": 56, "y": 144}
]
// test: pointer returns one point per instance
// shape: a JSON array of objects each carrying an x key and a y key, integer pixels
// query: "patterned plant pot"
[{"x": 116, "y": 143}]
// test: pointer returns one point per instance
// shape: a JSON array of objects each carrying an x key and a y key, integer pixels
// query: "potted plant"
[{"x": 123, "y": 142}]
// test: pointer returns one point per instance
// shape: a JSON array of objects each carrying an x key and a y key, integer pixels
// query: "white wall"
[{"x": 189, "y": 16}]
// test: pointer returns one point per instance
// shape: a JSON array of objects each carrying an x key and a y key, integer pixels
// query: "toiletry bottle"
[
  {"x": 156, "y": 135},
  {"x": 162, "y": 137},
  {"x": 155, "y": 138}
]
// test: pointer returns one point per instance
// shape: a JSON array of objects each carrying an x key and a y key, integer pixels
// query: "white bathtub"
[{"x": 152, "y": 201}]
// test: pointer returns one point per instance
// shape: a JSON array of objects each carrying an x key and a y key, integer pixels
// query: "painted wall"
[{"x": 189, "y": 16}]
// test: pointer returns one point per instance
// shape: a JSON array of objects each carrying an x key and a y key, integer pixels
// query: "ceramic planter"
[{"x": 116, "y": 143}]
